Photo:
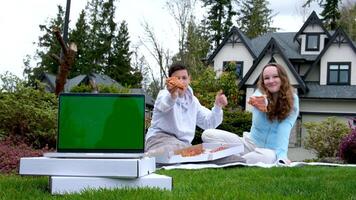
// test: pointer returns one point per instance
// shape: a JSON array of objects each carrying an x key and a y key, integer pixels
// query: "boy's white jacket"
[{"x": 179, "y": 117}]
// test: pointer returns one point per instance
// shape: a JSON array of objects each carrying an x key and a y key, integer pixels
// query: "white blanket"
[{"x": 293, "y": 164}]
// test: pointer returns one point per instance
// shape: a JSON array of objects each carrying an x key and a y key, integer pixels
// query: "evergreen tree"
[
  {"x": 80, "y": 36},
  {"x": 101, "y": 17},
  {"x": 255, "y": 18},
  {"x": 47, "y": 46},
  {"x": 119, "y": 61},
  {"x": 219, "y": 19},
  {"x": 196, "y": 48},
  {"x": 330, "y": 13},
  {"x": 102, "y": 47}
]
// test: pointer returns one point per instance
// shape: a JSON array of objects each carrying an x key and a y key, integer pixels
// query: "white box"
[
  {"x": 170, "y": 158},
  {"x": 64, "y": 185},
  {"x": 127, "y": 168}
]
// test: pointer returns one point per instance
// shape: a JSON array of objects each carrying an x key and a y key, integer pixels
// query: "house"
[
  {"x": 321, "y": 65},
  {"x": 93, "y": 79}
]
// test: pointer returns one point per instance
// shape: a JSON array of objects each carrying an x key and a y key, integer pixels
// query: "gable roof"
[
  {"x": 51, "y": 79},
  {"x": 285, "y": 40},
  {"x": 244, "y": 39},
  {"x": 274, "y": 48},
  {"x": 339, "y": 37},
  {"x": 313, "y": 19}
]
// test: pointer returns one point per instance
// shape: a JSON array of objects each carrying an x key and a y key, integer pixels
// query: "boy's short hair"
[{"x": 175, "y": 67}]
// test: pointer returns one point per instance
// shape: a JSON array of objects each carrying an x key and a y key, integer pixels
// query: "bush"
[
  {"x": 347, "y": 148},
  {"x": 28, "y": 113},
  {"x": 205, "y": 88},
  {"x": 207, "y": 85},
  {"x": 236, "y": 122},
  {"x": 12, "y": 149},
  {"x": 324, "y": 137}
]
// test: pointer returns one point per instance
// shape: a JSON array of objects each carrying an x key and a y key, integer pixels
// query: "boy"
[{"x": 177, "y": 112}]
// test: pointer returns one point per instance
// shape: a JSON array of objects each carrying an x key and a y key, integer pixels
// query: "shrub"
[
  {"x": 324, "y": 137},
  {"x": 205, "y": 88},
  {"x": 207, "y": 85},
  {"x": 29, "y": 113},
  {"x": 236, "y": 122},
  {"x": 347, "y": 148},
  {"x": 12, "y": 148}
]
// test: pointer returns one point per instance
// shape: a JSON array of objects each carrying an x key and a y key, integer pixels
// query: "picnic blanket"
[{"x": 263, "y": 165}]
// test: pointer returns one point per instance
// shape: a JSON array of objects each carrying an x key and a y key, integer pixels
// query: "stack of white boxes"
[{"x": 71, "y": 175}]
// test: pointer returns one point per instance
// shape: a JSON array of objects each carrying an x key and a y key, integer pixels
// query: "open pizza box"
[{"x": 199, "y": 153}]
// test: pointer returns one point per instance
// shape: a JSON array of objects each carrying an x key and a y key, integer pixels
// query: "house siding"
[
  {"x": 235, "y": 52},
  {"x": 333, "y": 55},
  {"x": 314, "y": 74}
]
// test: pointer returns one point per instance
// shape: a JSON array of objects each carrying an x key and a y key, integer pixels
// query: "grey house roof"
[
  {"x": 101, "y": 79},
  {"x": 148, "y": 98},
  {"x": 317, "y": 91},
  {"x": 290, "y": 47}
]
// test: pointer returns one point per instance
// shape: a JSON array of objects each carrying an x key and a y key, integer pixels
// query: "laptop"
[{"x": 100, "y": 126}]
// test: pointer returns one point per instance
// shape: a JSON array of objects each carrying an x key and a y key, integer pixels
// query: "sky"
[{"x": 20, "y": 20}]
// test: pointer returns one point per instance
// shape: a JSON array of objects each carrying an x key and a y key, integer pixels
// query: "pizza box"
[
  {"x": 73, "y": 184},
  {"x": 208, "y": 154},
  {"x": 125, "y": 168}
]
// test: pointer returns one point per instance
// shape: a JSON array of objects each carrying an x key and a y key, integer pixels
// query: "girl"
[{"x": 268, "y": 139}]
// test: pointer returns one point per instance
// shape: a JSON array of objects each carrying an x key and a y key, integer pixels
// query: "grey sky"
[{"x": 19, "y": 20}]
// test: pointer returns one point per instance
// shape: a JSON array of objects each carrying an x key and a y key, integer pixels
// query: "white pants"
[
  {"x": 163, "y": 142},
  {"x": 251, "y": 154}
]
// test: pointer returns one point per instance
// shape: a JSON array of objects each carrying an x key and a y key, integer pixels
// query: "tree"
[
  {"x": 196, "y": 47},
  {"x": 330, "y": 13},
  {"x": 348, "y": 19},
  {"x": 255, "y": 18},
  {"x": 80, "y": 36},
  {"x": 101, "y": 17},
  {"x": 219, "y": 19},
  {"x": 157, "y": 51},
  {"x": 47, "y": 46},
  {"x": 103, "y": 47},
  {"x": 119, "y": 61},
  {"x": 181, "y": 10}
]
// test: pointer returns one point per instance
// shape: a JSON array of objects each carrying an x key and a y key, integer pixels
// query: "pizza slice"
[
  {"x": 174, "y": 81},
  {"x": 190, "y": 151},
  {"x": 260, "y": 102}
]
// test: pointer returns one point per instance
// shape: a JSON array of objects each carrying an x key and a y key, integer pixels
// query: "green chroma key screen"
[{"x": 101, "y": 123}]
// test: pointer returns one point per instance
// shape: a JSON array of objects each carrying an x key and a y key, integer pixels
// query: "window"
[
  {"x": 312, "y": 43},
  {"x": 236, "y": 66},
  {"x": 339, "y": 73}
]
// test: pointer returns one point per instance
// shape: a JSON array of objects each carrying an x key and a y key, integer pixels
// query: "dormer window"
[{"x": 312, "y": 43}]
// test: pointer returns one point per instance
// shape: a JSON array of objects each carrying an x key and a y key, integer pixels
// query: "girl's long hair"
[{"x": 280, "y": 108}]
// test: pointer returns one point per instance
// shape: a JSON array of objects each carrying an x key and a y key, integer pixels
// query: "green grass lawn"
[{"x": 308, "y": 182}]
